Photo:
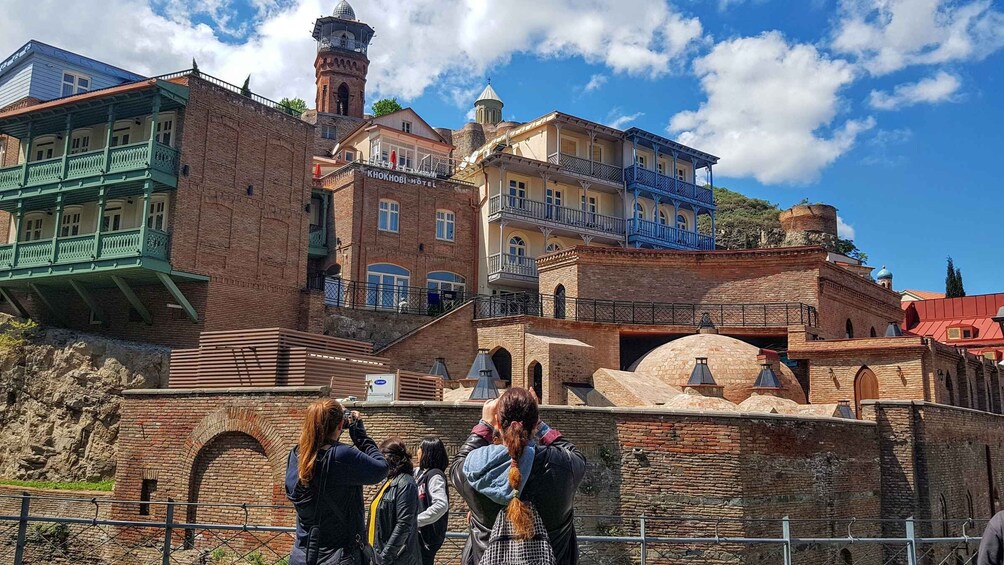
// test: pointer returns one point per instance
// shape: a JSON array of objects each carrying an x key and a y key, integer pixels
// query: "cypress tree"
[
  {"x": 246, "y": 89},
  {"x": 953, "y": 281},
  {"x": 195, "y": 67}
]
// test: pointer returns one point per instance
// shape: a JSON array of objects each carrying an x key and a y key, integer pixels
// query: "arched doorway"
[
  {"x": 865, "y": 388},
  {"x": 849, "y": 327},
  {"x": 503, "y": 364},
  {"x": 342, "y": 103},
  {"x": 536, "y": 373},
  {"x": 559, "y": 302},
  {"x": 950, "y": 388}
]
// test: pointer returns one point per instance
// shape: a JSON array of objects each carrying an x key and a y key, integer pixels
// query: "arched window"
[
  {"x": 70, "y": 224},
  {"x": 536, "y": 373},
  {"x": 502, "y": 360},
  {"x": 80, "y": 141},
  {"x": 950, "y": 388},
  {"x": 517, "y": 246},
  {"x": 865, "y": 388},
  {"x": 681, "y": 222},
  {"x": 945, "y": 526},
  {"x": 663, "y": 218},
  {"x": 845, "y": 557},
  {"x": 552, "y": 247},
  {"x": 31, "y": 226},
  {"x": 43, "y": 147},
  {"x": 445, "y": 225},
  {"x": 445, "y": 281},
  {"x": 639, "y": 211},
  {"x": 387, "y": 286},
  {"x": 121, "y": 133},
  {"x": 389, "y": 215},
  {"x": 157, "y": 218},
  {"x": 969, "y": 505},
  {"x": 849, "y": 327},
  {"x": 559, "y": 302},
  {"x": 873, "y": 333},
  {"x": 342, "y": 101}
]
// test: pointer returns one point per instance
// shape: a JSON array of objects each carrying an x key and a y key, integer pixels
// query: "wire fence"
[{"x": 62, "y": 530}]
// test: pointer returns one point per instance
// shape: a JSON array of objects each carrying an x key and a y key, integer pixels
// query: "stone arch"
[
  {"x": 559, "y": 302},
  {"x": 866, "y": 387},
  {"x": 503, "y": 363},
  {"x": 342, "y": 100},
  {"x": 872, "y": 332},
  {"x": 849, "y": 329},
  {"x": 535, "y": 376},
  {"x": 950, "y": 388}
]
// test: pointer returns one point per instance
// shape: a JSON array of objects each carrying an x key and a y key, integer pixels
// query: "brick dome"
[{"x": 733, "y": 363}]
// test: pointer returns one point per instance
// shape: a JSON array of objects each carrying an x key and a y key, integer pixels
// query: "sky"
[{"x": 890, "y": 110}]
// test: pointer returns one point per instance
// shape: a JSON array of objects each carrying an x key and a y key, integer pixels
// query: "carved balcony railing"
[
  {"x": 510, "y": 266},
  {"x": 544, "y": 213},
  {"x": 659, "y": 234},
  {"x": 85, "y": 248},
  {"x": 602, "y": 171},
  {"x": 667, "y": 185}
]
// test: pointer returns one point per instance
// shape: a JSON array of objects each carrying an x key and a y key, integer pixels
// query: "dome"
[
  {"x": 733, "y": 364},
  {"x": 487, "y": 94},
  {"x": 883, "y": 273},
  {"x": 344, "y": 11}
]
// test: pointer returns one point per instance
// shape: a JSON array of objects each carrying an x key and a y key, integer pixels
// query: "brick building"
[{"x": 967, "y": 322}]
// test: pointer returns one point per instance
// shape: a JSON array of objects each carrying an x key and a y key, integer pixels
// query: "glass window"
[
  {"x": 120, "y": 136},
  {"x": 517, "y": 194},
  {"x": 641, "y": 161},
  {"x": 32, "y": 230},
  {"x": 70, "y": 225},
  {"x": 517, "y": 246},
  {"x": 387, "y": 286},
  {"x": 445, "y": 280},
  {"x": 157, "y": 218},
  {"x": 663, "y": 218},
  {"x": 639, "y": 210},
  {"x": 552, "y": 247},
  {"x": 80, "y": 143},
  {"x": 445, "y": 224},
  {"x": 112, "y": 219},
  {"x": 389, "y": 212},
  {"x": 597, "y": 153},
  {"x": 569, "y": 146},
  {"x": 44, "y": 149},
  {"x": 328, "y": 132},
  {"x": 350, "y": 156},
  {"x": 660, "y": 168},
  {"x": 75, "y": 84},
  {"x": 406, "y": 127},
  {"x": 681, "y": 222},
  {"x": 165, "y": 130},
  {"x": 681, "y": 174}
]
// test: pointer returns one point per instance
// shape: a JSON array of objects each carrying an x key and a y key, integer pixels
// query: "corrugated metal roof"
[{"x": 937, "y": 315}]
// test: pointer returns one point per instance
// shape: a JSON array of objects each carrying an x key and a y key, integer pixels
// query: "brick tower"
[{"x": 341, "y": 63}]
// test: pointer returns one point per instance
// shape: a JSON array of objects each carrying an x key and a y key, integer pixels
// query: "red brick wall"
[
  {"x": 356, "y": 200},
  {"x": 417, "y": 350},
  {"x": 334, "y": 68}
]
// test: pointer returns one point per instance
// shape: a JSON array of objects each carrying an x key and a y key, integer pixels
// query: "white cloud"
[
  {"x": 844, "y": 230},
  {"x": 938, "y": 88},
  {"x": 418, "y": 44},
  {"x": 595, "y": 82},
  {"x": 617, "y": 119},
  {"x": 770, "y": 109},
  {"x": 888, "y": 35}
]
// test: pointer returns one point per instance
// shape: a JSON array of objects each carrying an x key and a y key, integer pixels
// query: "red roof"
[
  {"x": 934, "y": 317},
  {"x": 925, "y": 294}
]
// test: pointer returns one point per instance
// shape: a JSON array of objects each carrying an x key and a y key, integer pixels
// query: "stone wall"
[
  {"x": 375, "y": 326},
  {"x": 60, "y": 407},
  {"x": 451, "y": 336}
]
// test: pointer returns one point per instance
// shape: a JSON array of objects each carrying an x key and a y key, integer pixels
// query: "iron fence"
[
  {"x": 57, "y": 530},
  {"x": 392, "y": 298},
  {"x": 644, "y": 313}
]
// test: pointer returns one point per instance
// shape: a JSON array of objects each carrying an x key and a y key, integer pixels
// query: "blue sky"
[{"x": 887, "y": 109}]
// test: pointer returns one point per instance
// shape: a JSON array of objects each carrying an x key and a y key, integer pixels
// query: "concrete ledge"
[
  {"x": 923, "y": 403},
  {"x": 242, "y": 391}
]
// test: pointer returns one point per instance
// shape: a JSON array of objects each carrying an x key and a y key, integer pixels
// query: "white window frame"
[
  {"x": 681, "y": 174},
  {"x": 112, "y": 209},
  {"x": 446, "y": 224},
  {"x": 682, "y": 222},
  {"x": 32, "y": 226},
  {"x": 121, "y": 133},
  {"x": 660, "y": 167},
  {"x": 458, "y": 284},
  {"x": 70, "y": 223},
  {"x": 157, "y": 200},
  {"x": 41, "y": 146},
  {"x": 390, "y": 216},
  {"x": 80, "y": 141},
  {"x": 640, "y": 209},
  {"x": 405, "y": 126},
  {"x": 517, "y": 249},
  {"x": 387, "y": 289},
  {"x": 641, "y": 160},
  {"x": 663, "y": 218},
  {"x": 553, "y": 246},
  {"x": 350, "y": 156},
  {"x": 517, "y": 193},
  {"x": 165, "y": 129},
  {"x": 74, "y": 83}
]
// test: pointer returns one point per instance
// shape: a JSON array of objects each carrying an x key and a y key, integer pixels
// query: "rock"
[{"x": 66, "y": 388}]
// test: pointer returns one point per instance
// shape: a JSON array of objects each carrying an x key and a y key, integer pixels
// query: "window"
[
  {"x": 663, "y": 218},
  {"x": 641, "y": 161},
  {"x": 120, "y": 136},
  {"x": 32, "y": 230},
  {"x": 517, "y": 194},
  {"x": 44, "y": 149},
  {"x": 446, "y": 281},
  {"x": 389, "y": 212},
  {"x": 681, "y": 174},
  {"x": 388, "y": 286},
  {"x": 559, "y": 302},
  {"x": 552, "y": 247},
  {"x": 872, "y": 332},
  {"x": 589, "y": 205},
  {"x": 597, "y": 153},
  {"x": 553, "y": 200},
  {"x": 80, "y": 142},
  {"x": 157, "y": 218},
  {"x": 149, "y": 486},
  {"x": 639, "y": 211},
  {"x": 849, "y": 327},
  {"x": 350, "y": 156},
  {"x": 445, "y": 223},
  {"x": 660, "y": 168},
  {"x": 112, "y": 219},
  {"x": 954, "y": 333},
  {"x": 517, "y": 246},
  {"x": 681, "y": 222},
  {"x": 328, "y": 132},
  {"x": 70, "y": 225},
  {"x": 75, "y": 84},
  {"x": 406, "y": 127},
  {"x": 569, "y": 146},
  {"x": 165, "y": 130}
]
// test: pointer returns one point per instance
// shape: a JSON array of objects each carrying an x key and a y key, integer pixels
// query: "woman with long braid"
[{"x": 514, "y": 462}]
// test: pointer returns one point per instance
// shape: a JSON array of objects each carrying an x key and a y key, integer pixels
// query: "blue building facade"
[{"x": 43, "y": 72}]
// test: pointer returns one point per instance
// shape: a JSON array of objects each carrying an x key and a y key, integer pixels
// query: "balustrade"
[
  {"x": 667, "y": 185},
  {"x": 510, "y": 264},
  {"x": 603, "y": 171},
  {"x": 534, "y": 209},
  {"x": 671, "y": 235},
  {"x": 84, "y": 248}
]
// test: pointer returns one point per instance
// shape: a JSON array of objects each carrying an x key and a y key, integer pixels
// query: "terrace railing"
[
  {"x": 578, "y": 165},
  {"x": 86, "y": 248},
  {"x": 644, "y": 313},
  {"x": 536, "y": 210},
  {"x": 398, "y": 299},
  {"x": 667, "y": 185},
  {"x": 670, "y": 235},
  {"x": 511, "y": 265}
]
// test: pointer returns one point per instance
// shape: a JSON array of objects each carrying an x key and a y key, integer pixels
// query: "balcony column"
[
  {"x": 100, "y": 221},
  {"x": 676, "y": 214},
  {"x": 592, "y": 141},
  {"x": 676, "y": 186},
  {"x": 18, "y": 218},
  {"x": 27, "y": 156},
  {"x": 153, "y": 125},
  {"x": 108, "y": 138},
  {"x": 693, "y": 181},
  {"x": 147, "y": 193},
  {"x": 501, "y": 238},
  {"x": 501, "y": 181},
  {"x": 557, "y": 148},
  {"x": 655, "y": 212},
  {"x": 634, "y": 210},
  {"x": 711, "y": 181},
  {"x": 59, "y": 224},
  {"x": 634, "y": 157},
  {"x": 68, "y": 131},
  {"x": 655, "y": 164}
]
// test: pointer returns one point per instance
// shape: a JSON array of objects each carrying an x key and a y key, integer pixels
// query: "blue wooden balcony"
[
  {"x": 644, "y": 232},
  {"x": 667, "y": 187},
  {"x": 128, "y": 163},
  {"x": 83, "y": 254}
]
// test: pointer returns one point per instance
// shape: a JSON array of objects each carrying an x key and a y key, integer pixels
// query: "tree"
[
  {"x": 195, "y": 67},
  {"x": 296, "y": 105},
  {"x": 953, "y": 281},
  {"x": 385, "y": 106},
  {"x": 246, "y": 89}
]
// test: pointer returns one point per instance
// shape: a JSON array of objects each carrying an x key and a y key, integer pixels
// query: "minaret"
[
  {"x": 488, "y": 107},
  {"x": 341, "y": 63}
]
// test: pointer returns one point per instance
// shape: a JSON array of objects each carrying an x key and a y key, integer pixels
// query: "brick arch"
[{"x": 243, "y": 420}]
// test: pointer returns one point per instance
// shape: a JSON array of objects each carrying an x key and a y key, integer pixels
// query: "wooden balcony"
[
  {"x": 518, "y": 270},
  {"x": 660, "y": 235},
  {"x": 586, "y": 168},
  {"x": 82, "y": 254},
  {"x": 667, "y": 186},
  {"x": 573, "y": 221}
]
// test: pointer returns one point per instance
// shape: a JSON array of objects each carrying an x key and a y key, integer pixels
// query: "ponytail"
[
  {"x": 518, "y": 417},
  {"x": 321, "y": 420}
]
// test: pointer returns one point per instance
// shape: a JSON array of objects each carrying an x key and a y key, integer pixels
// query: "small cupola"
[
  {"x": 702, "y": 381},
  {"x": 706, "y": 326},
  {"x": 884, "y": 277},
  {"x": 767, "y": 381},
  {"x": 488, "y": 107},
  {"x": 439, "y": 369},
  {"x": 481, "y": 362},
  {"x": 485, "y": 389}
]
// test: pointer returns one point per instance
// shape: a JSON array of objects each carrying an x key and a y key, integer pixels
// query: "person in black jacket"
[
  {"x": 991, "y": 550},
  {"x": 548, "y": 468},
  {"x": 393, "y": 526},
  {"x": 324, "y": 481},
  {"x": 433, "y": 501}
]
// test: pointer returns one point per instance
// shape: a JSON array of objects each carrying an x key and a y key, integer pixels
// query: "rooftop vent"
[
  {"x": 892, "y": 330},
  {"x": 701, "y": 375},
  {"x": 706, "y": 326},
  {"x": 767, "y": 377},
  {"x": 485, "y": 389},
  {"x": 439, "y": 369},
  {"x": 481, "y": 362}
]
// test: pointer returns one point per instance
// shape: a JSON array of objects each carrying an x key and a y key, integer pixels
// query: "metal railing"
[
  {"x": 83, "y": 530},
  {"x": 343, "y": 43},
  {"x": 516, "y": 207},
  {"x": 232, "y": 88},
  {"x": 509, "y": 265},
  {"x": 644, "y": 313},
  {"x": 669, "y": 235},
  {"x": 399, "y": 299},
  {"x": 667, "y": 185},
  {"x": 603, "y": 171}
]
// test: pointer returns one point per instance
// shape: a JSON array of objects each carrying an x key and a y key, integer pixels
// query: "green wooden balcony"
[
  {"x": 135, "y": 162},
  {"x": 83, "y": 253},
  {"x": 317, "y": 243}
]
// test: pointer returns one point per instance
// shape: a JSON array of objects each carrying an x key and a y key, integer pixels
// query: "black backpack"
[
  {"x": 504, "y": 548},
  {"x": 434, "y": 534}
]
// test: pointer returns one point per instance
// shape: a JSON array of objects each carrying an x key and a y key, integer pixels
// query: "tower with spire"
[
  {"x": 341, "y": 63},
  {"x": 488, "y": 107}
]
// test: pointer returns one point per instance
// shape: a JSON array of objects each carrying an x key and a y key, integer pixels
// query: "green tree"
[
  {"x": 953, "y": 281},
  {"x": 385, "y": 106},
  {"x": 246, "y": 89},
  {"x": 195, "y": 67},
  {"x": 296, "y": 105}
]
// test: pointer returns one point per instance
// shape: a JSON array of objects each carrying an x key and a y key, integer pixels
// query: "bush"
[{"x": 16, "y": 333}]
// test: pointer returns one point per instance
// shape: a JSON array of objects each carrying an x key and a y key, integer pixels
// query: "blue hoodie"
[{"x": 487, "y": 471}]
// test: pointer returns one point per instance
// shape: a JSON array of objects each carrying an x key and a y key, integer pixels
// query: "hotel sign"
[{"x": 399, "y": 177}]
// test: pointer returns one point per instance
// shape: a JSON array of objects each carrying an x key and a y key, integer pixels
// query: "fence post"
[
  {"x": 644, "y": 542},
  {"x": 911, "y": 542},
  {"x": 168, "y": 522},
  {"x": 22, "y": 529},
  {"x": 786, "y": 533}
]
